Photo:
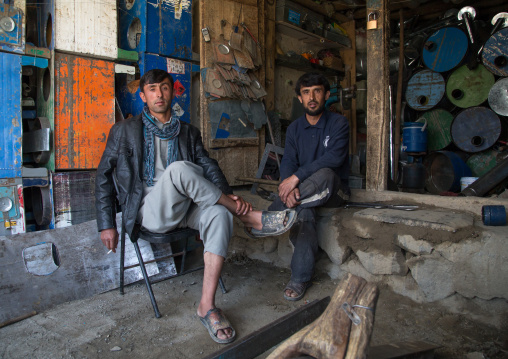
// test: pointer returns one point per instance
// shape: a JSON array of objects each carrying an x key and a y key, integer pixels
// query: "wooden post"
[
  {"x": 378, "y": 101},
  {"x": 349, "y": 58}
]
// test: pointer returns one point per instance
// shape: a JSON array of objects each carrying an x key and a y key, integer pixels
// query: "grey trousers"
[{"x": 182, "y": 197}]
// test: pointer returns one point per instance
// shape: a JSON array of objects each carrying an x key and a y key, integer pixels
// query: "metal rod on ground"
[
  {"x": 18, "y": 319},
  {"x": 396, "y": 129},
  {"x": 257, "y": 180}
]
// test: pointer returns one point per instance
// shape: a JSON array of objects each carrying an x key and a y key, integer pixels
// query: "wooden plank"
[
  {"x": 349, "y": 58},
  {"x": 240, "y": 161},
  {"x": 378, "y": 101},
  {"x": 272, "y": 334}
]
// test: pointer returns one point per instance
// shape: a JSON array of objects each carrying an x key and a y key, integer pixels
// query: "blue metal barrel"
[
  {"x": 425, "y": 90},
  {"x": 445, "y": 49},
  {"x": 444, "y": 171},
  {"x": 495, "y": 53},
  {"x": 476, "y": 129}
]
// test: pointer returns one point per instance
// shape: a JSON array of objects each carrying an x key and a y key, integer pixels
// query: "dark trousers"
[{"x": 324, "y": 189}]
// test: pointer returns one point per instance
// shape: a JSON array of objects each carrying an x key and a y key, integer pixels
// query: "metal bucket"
[
  {"x": 495, "y": 53},
  {"x": 467, "y": 88},
  {"x": 414, "y": 137},
  {"x": 476, "y": 129},
  {"x": 425, "y": 89},
  {"x": 439, "y": 122},
  {"x": 498, "y": 99},
  {"x": 444, "y": 171},
  {"x": 445, "y": 49}
]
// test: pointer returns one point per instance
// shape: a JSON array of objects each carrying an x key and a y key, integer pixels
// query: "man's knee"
[
  {"x": 217, "y": 218},
  {"x": 180, "y": 166},
  {"x": 324, "y": 173}
]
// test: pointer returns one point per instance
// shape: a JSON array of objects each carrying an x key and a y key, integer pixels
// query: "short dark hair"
[
  {"x": 154, "y": 76},
  {"x": 311, "y": 79}
]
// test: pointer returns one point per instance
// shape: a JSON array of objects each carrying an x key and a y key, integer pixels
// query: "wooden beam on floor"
[{"x": 274, "y": 333}]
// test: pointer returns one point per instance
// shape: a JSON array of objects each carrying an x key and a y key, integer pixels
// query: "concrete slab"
[{"x": 439, "y": 220}]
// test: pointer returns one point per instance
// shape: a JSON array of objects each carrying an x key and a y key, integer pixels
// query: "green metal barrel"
[
  {"x": 467, "y": 88},
  {"x": 439, "y": 122},
  {"x": 482, "y": 162}
]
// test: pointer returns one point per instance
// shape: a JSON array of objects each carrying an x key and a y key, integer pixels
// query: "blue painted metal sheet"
[
  {"x": 10, "y": 116},
  {"x": 445, "y": 49},
  {"x": 181, "y": 71},
  {"x": 425, "y": 90},
  {"x": 46, "y": 24},
  {"x": 12, "y": 34},
  {"x": 495, "y": 53},
  {"x": 161, "y": 27}
]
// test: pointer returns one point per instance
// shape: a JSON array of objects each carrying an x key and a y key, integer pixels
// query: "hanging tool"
[{"x": 250, "y": 33}]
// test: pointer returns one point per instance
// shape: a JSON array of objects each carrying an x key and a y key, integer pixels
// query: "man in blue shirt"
[{"x": 314, "y": 172}]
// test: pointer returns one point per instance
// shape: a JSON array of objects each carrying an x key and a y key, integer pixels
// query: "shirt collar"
[{"x": 320, "y": 124}]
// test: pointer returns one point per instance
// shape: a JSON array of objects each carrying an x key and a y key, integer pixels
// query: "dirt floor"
[{"x": 109, "y": 325}]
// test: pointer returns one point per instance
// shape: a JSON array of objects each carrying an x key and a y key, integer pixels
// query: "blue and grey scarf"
[{"x": 150, "y": 130}]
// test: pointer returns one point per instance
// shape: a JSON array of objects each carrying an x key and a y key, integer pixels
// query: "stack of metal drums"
[{"x": 460, "y": 97}]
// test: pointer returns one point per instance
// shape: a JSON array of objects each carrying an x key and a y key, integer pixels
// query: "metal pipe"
[{"x": 488, "y": 181}]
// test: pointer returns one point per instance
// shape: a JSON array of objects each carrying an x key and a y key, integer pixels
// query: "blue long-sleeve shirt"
[{"x": 309, "y": 148}]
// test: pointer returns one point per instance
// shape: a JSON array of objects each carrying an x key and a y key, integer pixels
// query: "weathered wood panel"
[
  {"x": 240, "y": 161},
  {"x": 378, "y": 100},
  {"x": 84, "y": 110},
  {"x": 86, "y": 27}
]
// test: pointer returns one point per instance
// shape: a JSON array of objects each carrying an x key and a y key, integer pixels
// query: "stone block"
[
  {"x": 406, "y": 286},
  {"x": 415, "y": 246},
  {"x": 439, "y": 220},
  {"x": 354, "y": 267},
  {"x": 433, "y": 274},
  {"x": 378, "y": 262},
  {"x": 361, "y": 228},
  {"x": 479, "y": 266},
  {"x": 329, "y": 240}
]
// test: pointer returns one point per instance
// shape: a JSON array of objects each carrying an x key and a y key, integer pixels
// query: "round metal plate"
[
  {"x": 439, "y": 122},
  {"x": 7, "y": 24},
  {"x": 498, "y": 97},
  {"x": 223, "y": 49},
  {"x": 216, "y": 83},
  {"x": 495, "y": 53},
  {"x": 475, "y": 129},
  {"x": 467, "y": 88},
  {"x": 445, "y": 49},
  {"x": 5, "y": 204},
  {"x": 424, "y": 90}
]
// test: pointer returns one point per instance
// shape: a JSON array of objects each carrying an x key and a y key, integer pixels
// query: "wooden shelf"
[
  {"x": 307, "y": 67},
  {"x": 310, "y": 38}
]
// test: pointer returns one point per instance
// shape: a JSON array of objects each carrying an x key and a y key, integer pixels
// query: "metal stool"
[{"x": 169, "y": 237}]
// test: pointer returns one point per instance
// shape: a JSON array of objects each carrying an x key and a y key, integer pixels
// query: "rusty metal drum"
[
  {"x": 445, "y": 49},
  {"x": 476, "y": 129},
  {"x": 425, "y": 89},
  {"x": 498, "y": 97},
  {"x": 467, "y": 88},
  {"x": 444, "y": 169},
  {"x": 439, "y": 122},
  {"x": 495, "y": 53}
]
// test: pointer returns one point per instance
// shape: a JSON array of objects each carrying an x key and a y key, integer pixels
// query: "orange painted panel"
[{"x": 84, "y": 110}]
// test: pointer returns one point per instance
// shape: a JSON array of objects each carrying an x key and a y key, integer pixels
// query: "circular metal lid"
[
  {"x": 5, "y": 204},
  {"x": 445, "y": 49},
  {"x": 498, "y": 97},
  {"x": 223, "y": 49},
  {"x": 476, "y": 129},
  {"x": 7, "y": 24},
  {"x": 216, "y": 83},
  {"x": 467, "y": 88}
]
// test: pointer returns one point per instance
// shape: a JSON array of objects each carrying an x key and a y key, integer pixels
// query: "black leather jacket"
[{"x": 124, "y": 156}]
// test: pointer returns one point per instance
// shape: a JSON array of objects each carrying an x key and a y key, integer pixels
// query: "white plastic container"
[{"x": 466, "y": 181}]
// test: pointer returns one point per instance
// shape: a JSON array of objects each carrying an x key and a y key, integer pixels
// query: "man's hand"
[
  {"x": 293, "y": 199},
  {"x": 242, "y": 207},
  {"x": 287, "y": 186},
  {"x": 110, "y": 238}
]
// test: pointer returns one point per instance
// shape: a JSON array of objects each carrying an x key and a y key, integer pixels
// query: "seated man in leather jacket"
[{"x": 165, "y": 180}]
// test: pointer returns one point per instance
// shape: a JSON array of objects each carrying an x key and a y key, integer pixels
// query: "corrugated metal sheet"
[
  {"x": 84, "y": 110},
  {"x": 181, "y": 71},
  {"x": 164, "y": 28},
  {"x": 11, "y": 130}
]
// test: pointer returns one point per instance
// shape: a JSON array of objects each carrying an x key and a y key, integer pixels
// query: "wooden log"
[
  {"x": 359, "y": 336},
  {"x": 328, "y": 336}
]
